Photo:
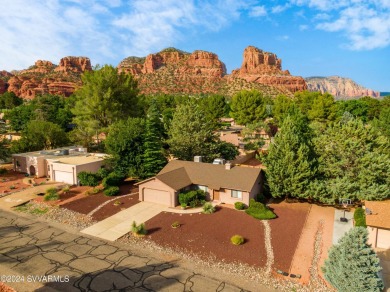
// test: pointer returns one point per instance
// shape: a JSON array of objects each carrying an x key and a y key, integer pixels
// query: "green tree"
[
  {"x": 225, "y": 150},
  {"x": 290, "y": 162},
  {"x": 125, "y": 144},
  {"x": 4, "y": 149},
  {"x": 153, "y": 157},
  {"x": 191, "y": 133},
  {"x": 215, "y": 107},
  {"x": 40, "y": 135},
  {"x": 104, "y": 98},
  {"x": 249, "y": 106},
  {"x": 352, "y": 264},
  {"x": 282, "y": 107},
  {"x": 20, "y": 116},
  {"x": 9, "y": 100},
  {"x": 316, "y": 106},
  {"x": 354, "y": 163}
]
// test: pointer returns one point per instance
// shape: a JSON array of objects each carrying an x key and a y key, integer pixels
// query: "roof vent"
[{"x": 228, "y": 165}]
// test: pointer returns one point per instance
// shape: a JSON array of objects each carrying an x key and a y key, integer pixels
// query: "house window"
[
  {"x": 203, "y": 188},
  {"x": 237, "y": 194}
]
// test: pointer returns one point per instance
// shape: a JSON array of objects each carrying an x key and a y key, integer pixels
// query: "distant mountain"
[
  {"x": 339, "y": 87},
  {"x": 385, "y": 94}
]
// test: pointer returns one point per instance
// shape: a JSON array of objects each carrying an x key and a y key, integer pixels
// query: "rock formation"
[
  {"x": 45, "y": 77},
  {"x": 339, "y": 87},
  {"x": 175, "y": 71},
  {"x": 266, "y": 68}
]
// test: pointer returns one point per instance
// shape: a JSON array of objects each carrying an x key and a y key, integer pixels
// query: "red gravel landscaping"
[
  {"x": 286, "y": 231},
  {"x": 90, "y": 202},
  {"x": 210, "y": 235},
  {"x": 112, "y": 208}
]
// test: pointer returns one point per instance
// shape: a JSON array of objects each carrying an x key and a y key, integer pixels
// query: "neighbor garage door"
[
  {"x": 383, "y": 239},
  {"x": 157, "y": 196},
  {"x": 63, "y": 176}
]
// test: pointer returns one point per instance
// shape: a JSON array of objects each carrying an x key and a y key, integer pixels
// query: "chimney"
[
  {"x": 197, "y": 158},
  {"x": 228, "y": 165}
]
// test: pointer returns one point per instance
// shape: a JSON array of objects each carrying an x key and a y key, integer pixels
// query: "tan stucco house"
[
  {"x": 378, "y": 223},
  {"x": 223, "y": 183},
  {"x": 62, "y": 165}
]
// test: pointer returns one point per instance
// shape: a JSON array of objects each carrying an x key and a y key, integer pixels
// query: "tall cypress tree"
[
  {"x": 352, "y": 264},
  {"x": 153, "y": 157},
  {"x": 291, "y": 161}
]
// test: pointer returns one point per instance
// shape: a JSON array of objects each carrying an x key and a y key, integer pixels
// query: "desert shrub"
[
  {"x": 192, "y": 198},
  {"x": 12, "y": 187},
  {"x": 111, "y": 191},
  {"x": 103, "y": 172},
  {"x": 3, "y": 170},
  {"x": 237, "y": 239},
  {"x": 51, "y": 195},
  {"x": 88, "y": 179},
  {"x": 175, "y": 224},
  {"x": 66, "y": 189},
  {"x": 239, "y": 205},
  {"x": 138, "y": 229},
  {"x": 360, "y": 217},
  {"x": 113, "y": 179},
  {"x": 208, "y": 208},
  {"x": 259, "y": 211}
]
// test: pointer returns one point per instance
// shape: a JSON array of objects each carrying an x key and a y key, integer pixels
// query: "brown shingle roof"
[
  {"x": 176, "y": 172},
  {"x": 380, "y": 216}
]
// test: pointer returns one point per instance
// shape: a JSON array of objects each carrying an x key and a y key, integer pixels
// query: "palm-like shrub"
[
  {"x": 208, "y": 208},
  {"x": 138, "y": 230}
]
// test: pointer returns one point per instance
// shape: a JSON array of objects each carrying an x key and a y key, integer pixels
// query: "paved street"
[{"x": 30, "y": 249}]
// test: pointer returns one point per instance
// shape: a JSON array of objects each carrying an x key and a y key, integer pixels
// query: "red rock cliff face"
[
  {"x": 45, "y": 77},
  {"x": 266, "y": 68}
]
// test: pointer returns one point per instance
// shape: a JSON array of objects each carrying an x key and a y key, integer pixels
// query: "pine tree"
[
  {"x": 153, "y": 157},
  {"x": 354, "y": 163},
  {"x": 352, "y": 264},
  {"x": 290, "y": 161}
]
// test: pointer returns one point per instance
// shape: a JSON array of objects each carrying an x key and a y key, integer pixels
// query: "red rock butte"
[{"x": 170, "y": 71}]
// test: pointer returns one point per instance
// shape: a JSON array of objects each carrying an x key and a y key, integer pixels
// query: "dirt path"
[{"x": 303, "y": 256}]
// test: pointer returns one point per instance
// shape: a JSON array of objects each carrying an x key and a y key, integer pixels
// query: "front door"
[{"x": 216, "y": 195}]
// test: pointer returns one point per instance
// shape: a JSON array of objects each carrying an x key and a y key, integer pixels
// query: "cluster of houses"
[{"x": 223, "y": 182}]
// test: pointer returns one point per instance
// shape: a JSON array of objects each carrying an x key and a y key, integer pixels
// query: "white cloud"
[
  {"x": 258, "y": 11},
  {"x": 280, "y": 8},
  {"x": 283, "y": 38},
  {"x": 364, "y": 26},
  {"x": 303, "y": 27}
]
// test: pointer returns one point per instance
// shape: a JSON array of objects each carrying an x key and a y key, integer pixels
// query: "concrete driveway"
[
  {"x": 15, "y": 199},
  {"x": 119, "y": 224}
]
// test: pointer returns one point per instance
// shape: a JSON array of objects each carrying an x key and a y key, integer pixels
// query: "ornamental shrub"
[
  {"x": 88, "y": 179},
  {"x": 111, "y": 191},
  {"x": 103, "y": 172},
  {"x": 208, "y": 208},
  {"x": 51, "y": 195},
  {"x": 3, "y": 170},
  {"x": 237, "y": 239},
  {"x": 113, "y": 179},
  {"x": 239, "y": 205},
  {"x": 360, "y": 217},
  {"x": 259, "y": 211},
  {"x": 192, "y": 198},
  {"x": 139, "y": 230}
]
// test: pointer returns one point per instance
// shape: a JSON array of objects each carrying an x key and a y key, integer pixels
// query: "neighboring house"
[
  {"x": 378, "y": 223},
  {"x": 223, "y": 183},
  {"x": 62, "y": 165}
]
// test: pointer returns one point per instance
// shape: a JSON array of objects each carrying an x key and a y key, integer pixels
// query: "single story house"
[
  {"x": 378, "y": 223},
  {"x": 62, "y": 165},
  {"x": 223, "y": 183}
]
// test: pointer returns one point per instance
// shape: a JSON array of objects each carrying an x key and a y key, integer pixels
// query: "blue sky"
[{"x": 349, "y": 38}]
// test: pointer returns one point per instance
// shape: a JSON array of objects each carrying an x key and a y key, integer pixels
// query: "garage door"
[
  {"x": 157, "y": 196},
  {"x": 62, "y": 176},
  {"x": 383, "y": 239}
]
